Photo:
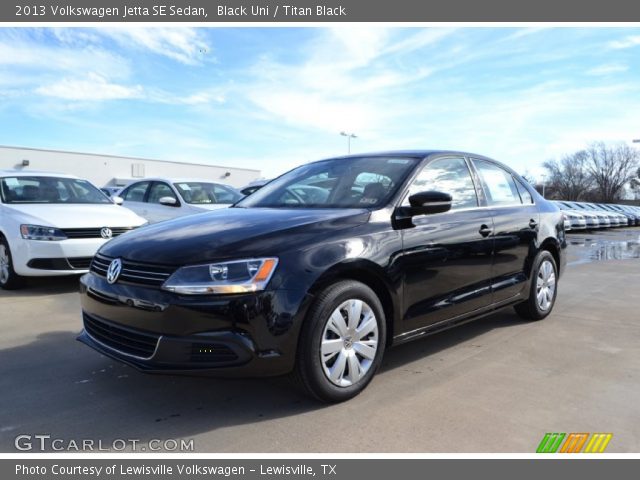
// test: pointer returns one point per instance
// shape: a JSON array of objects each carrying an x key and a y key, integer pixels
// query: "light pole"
[{"x": 349, "y": 137}]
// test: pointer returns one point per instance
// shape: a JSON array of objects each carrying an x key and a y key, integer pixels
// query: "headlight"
[
  {"x": 238, "y": 276},
  {"x": 37, "y": 232}
]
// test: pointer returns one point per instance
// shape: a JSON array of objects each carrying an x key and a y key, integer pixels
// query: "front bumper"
[
  {"x": 44, "y": 258},
  {"x": 160, "y": 332}
]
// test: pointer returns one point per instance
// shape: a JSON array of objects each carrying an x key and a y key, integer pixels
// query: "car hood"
[
  {"x": 231, "y": 233},
  {"x": 75, "y": 215}
]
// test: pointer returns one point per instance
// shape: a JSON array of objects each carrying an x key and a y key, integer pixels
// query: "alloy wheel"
[
  {"x": 545, "y": 285},
  {"x": 4, "y": 264},
  {"x": 349, "y": 343}
]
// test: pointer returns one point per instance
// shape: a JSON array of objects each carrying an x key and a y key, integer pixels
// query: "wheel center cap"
[{"x": 348, "y": 343}]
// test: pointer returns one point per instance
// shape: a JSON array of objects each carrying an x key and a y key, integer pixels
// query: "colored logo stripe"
[
  {"x": 550, "y": 443},
  {"x": 574, "y": 443},
  {"x": 598, "y": 442}
]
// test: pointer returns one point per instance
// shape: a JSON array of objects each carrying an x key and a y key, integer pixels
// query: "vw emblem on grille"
[
  {"x": 113, "y": 272},
  {"x": 106, "y": 232}
]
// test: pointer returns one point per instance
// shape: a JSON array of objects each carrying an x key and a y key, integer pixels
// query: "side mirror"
[
  {"x": 117, "y": 200},
  {"x": 168, "y": 201},
  {"x": 425, "y": 203}
]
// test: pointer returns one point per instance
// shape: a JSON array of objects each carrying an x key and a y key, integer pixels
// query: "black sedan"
[{"x": 325, "y": 267}]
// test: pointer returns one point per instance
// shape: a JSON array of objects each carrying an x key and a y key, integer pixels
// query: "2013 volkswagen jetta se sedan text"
[{"x": 321, "y": 270}]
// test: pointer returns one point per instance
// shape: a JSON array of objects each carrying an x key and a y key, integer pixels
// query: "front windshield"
[
  {"x": 49, "y": 190},
  {"x": 363, "y": 182},
  {"x": 201, "y": 193}
]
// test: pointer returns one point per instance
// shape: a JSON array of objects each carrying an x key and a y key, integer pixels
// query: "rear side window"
[
  {"x": 136, "y": 192},
  {"x": 525, "y": 196},
  {"x": 499, "y": 185},
  {"x": 448, "y": 175}
]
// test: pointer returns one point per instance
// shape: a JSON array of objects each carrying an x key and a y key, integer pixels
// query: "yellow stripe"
[
  {"x": 607, "y": 439},
  {"x": 590, "y": 444},
  {"x": 596, "y": 445}
]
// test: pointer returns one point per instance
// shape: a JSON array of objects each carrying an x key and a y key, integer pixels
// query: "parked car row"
[
  {"x": 586, "y": 216},
  {"x": 53, "y": 224}
]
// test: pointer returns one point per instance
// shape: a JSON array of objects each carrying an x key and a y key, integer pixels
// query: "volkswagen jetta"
[{"x": 325, "y": 267}]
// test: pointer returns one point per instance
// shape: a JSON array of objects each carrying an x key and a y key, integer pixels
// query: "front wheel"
[
  {"x": 9, "y": 279},
  {"x": 342, "y": 342},
  {"x": 543, "y": 290}
]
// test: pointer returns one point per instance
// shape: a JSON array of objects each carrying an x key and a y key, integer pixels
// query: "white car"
[
  {"x": 158, "y": 199},
  {"x": 53, "y": 224}
]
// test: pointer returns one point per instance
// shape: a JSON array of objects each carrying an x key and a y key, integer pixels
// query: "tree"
[
  {"x": 569, "y": 178},
  {"x": 635, "y": 185},
  {"x": 611, "y": 168}
]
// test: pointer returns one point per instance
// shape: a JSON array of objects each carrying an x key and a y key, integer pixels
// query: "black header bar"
[{"x": 274, "y": 11}]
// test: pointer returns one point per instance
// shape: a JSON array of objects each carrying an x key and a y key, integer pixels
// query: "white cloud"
[
  {"x": 607, "y": 69},
  {"x": 185, "y": 45},
  {"x": 25, "y": 55},
  {"x": 627, "y": 42},
  {"x": 93, "y": 87}
]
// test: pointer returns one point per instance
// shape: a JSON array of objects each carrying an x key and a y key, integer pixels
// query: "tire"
[
  {"x": 9, "y": 279},
  {"x": 327, "y": 324},
  {"x": 543, "y": 290}
]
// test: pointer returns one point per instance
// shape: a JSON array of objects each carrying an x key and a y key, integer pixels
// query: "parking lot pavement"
[{"x": 496, "y": 385}]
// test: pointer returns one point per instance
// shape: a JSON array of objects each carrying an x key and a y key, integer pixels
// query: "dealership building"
[{"x": 111, "y": 171}]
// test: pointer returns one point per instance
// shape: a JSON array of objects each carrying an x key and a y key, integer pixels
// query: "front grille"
[
  {"x": 80, "y": 262},
  {"x": 122, "y": 339},
  {"x": 76, "y": 263},
  {"x": 212, "y": 353},
  {"x": 93, "y": 232},
  {"x": 132, "y": 272}
]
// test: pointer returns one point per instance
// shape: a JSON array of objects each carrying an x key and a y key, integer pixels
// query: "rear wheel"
[
  {"x": 543, "y": 290},
  {"x": 342, "y": 342},
  {"x": 9, "y": 279}
]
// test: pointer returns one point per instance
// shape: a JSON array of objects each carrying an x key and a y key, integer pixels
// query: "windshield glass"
[
  {"x": 201, "y": 193},
  {"x": 49, "y": 190},
  {"x": 364, "y": 182}
]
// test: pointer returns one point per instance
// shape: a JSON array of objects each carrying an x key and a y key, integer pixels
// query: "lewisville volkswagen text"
[{"x": 322, "y": 269}]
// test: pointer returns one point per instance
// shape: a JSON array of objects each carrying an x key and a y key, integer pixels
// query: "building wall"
[{"x": 107, "y": 170}]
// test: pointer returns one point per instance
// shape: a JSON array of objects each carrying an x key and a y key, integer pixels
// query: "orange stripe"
[
  {"x": 568, "y": 443},
  {"x": 581, "y": 441}
]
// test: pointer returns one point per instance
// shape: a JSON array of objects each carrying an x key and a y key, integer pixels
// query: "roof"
[
  {"x": 409, "y": 153},
  {"x": 176, "y": 180},
  {"x": 33, "y": 173}
]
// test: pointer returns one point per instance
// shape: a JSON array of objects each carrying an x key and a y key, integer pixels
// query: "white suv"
[{"x": 53, "y": 224}]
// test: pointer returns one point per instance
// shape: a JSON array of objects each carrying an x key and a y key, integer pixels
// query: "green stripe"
[{"x": 550, "y": 442}]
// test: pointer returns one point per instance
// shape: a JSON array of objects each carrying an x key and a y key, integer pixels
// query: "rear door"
[
  {"x": 446, "y": 258},
  {"x": 515, "y": 221}
]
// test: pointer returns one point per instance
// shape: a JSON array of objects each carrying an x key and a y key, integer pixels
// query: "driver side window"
[
  {"x": 448, "y": 175},
  {"x": 160, "y": 190}
]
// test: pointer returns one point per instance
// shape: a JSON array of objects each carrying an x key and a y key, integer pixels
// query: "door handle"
[
  {"x": 533, "y": 224},
  {"x": 484, "y": 230}
]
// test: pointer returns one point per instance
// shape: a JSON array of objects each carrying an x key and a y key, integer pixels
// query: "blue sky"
[{"x": 273, "y": 98}]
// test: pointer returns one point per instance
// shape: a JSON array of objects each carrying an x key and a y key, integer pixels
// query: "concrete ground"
[{"x": 496, "y": 385}]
